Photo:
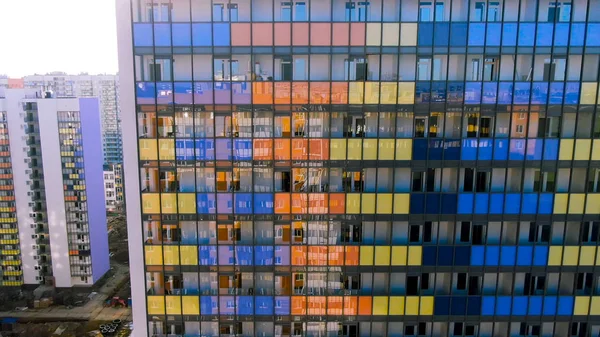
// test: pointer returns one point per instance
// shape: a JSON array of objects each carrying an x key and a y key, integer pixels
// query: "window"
[
  {"x": 158, "y": 12},
  {"x": 357, "y": 11},
  {"x": 218, "y": 12},
  {"x": 300, "y": 14},
  {"x": 539, "y": 233},
  {"x": 355, "y": 69},
  {"x": 428, "y": 13},
  {"x": 286, "y": 11},
  {"x": 233, "y": 12},
  {"x": 479, "y": 11}
]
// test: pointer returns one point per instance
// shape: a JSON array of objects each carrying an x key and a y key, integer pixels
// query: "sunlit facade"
[{"x": 375, "y": 168}]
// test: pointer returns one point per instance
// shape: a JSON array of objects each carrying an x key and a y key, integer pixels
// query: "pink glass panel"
[
  {"x": 283, "y": 34},
  {"x": 341, "y": 34},
  {"x": 357, "y": 34},
  {"x": 240, "y": 34},
  {"x": 320, "y": 34},
  {"x": 262, "y": 34},
  {"x": 300, "y": 34}
]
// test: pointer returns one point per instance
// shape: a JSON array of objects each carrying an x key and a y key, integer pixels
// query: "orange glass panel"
[
  {"x": 319, "y": 93},
  {"x": 262, "y": 93},
  {"x": 262, "y": 34},
  {"x": 350, "y": 305},
  {"x": 282, "y": 203},
  {"x": 298, "y": 255},
  {"x": 337, "y": 203},
  {"x": 336, "y": 255},
  {"x": 320, "y": 34},
  {"x": 283, "y": 92},
  {"x": 317, "y": 305},
  {"x": 317, "y": 255},
  {"x": 319, "y": 149},
  {"x": 357, "y": 34},
  {"x": 318, "y": 203},
  {"x": 283, "y": 34},
  {"x": 339, "y": 93},
  {"x": 352, "y": 255},
  {"x": 335, "y": 305},
  {"x": 299, "y": 203},
  {"x": 300, "y": 34},
  {"x": 263, "y": 149},
  {"x": 300, "y": 93},
  {"x": 282, "y": 149},
  {"x": 365, "y": 303},
  {"x": 298, "y": 305},
  {"x": 240, "y": 34},
  {"x": 299, "y": 149},
  {"x": 341, "y": 34}
]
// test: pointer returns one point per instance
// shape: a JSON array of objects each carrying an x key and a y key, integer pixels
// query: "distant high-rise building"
[
  {"x": 113, "y": 187},
  {"x": 105, "y": 87},
  {"x": 52, "y": 214}
]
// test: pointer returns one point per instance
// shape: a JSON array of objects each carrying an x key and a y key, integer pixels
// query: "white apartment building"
[{"x": 113, "y": 186}]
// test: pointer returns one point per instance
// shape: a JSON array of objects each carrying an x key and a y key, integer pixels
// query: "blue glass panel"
[
  {"x": 455, "y": 92},
  {"x": 465, "y": 203},
  {"x": 561, "y": 34},
  {"x": 493, "y": 34},
  {"x": 243, "y": 255},
  {"x": 205, "y": 149},
  {"x": 451, "y": 149},
  {"x": 519, "y": 305},
  {"x": 145, "y": 92},
  {"x": 221, "y": 34},
  {"x": 182, "y": 35},
  {"x": 245, "y": 305},
  {"x": 524, "y": 255},
  {"x": 526, "y": 38},
  {"x": 488, "y": 305},
  {"x": 442, "y": 31},
  {"x": 509, "y": 34},
  {"x": 577, "y": 34},
  {"x": 422, "y": 92},
  {"x": 206, "y": 203},
  {"x": 201, "y": 34},
  {"x": 565, "y": 305},
  {"x": 164, "y": 93},
  {"x": 462, "y": 255},
  {"x": 490, "y": 92},
  {"x": 243, "y": 203},
  {"x": 530, "y": 201},
  {"x": 557, "y": 91},
  {"x": 539, "y": 93},
  {"x": 508, "y": 255},
  {"x": 481, "y": 203},
  {"x": 496, "y": 203},
  {"x": 513, "y": 201},
  {"x": 544, "y": 34},
  {"x": 142, "y": 35},
  {"x": 282, "y": 305},
  {"x": 505, "y": 93},
  {"x": 486, "y": 147},
  {"x": 184, "y": 150},
  {"x": 445, "y": 255},
  {"x": 263, "y": 203},
  {"x": 522, "y": 92},
  {"x": 477, "y": 255},
  {"x": 417, "y": 203},
  {"x": 242, "y": 149},
  {"x": 473, "y": 93},
  {"x": 458, "y": 306},
  {"x": 550, "y": 305},
  {"x": 429, "y": 255},
  {"x": 517, "y": 149},
  {"x": 545, "y": 203},
  {"x": 162, "y": 34},
  {"x": 442, "y": 305},
  {"x": 592, "y": 38},
  {"x": 476, "y": 34},
  {"x": 540, "y": 256},
  {"x": 469, "y": 149},
  {"x": 183, "y": 93},
  {"x": 458, "y": 34},
  {"x": 263, "y": 255},
  {"x": 449, "y": 203},
  {"x": 425, "y": 34},
  {"x": 207, "y": 255},
  {"x": 207, "y": 307},
  {"x": 572, "y": 93},
  {"x": 420, "y": 149},
  {"x": 438, "y": 92},
  {"x": 492, "y": 254},
  {"x": 473, "y": 305},
  {"x": 264, "y": 305},
  {"x": 503, "y": 305},
  {"x": 433, "y": 203},
  {"x": 535, "y": 305}
]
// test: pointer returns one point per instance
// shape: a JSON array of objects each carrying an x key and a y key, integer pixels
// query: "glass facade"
[{"x": 376, "y": 168}]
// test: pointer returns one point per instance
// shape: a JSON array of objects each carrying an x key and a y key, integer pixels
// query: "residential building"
[
  {"x": 52, "y": 216},
  {"x": 113, "y": 187},
  {"x": 362, "y": 168}
]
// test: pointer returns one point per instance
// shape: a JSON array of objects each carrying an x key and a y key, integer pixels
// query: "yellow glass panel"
[
  {"x": 582, "y": 149},
  {"x": 171, "y": 255},
  {"x": 166, "y": 149},
  {"x": 570, "y": 255},
  {"x": 353, "y": 203},
  {"x": 412, "y": 305},
  {"x": 414, "y": 255},
  {"x": 561, "y": 200},
  {"x": 399, "y": 254},
  {"x": 356, "y": 92},
  {"x": 386, "y": 149},
  {"x": 408, "y": 34},
  {"x": 389, "y": 93},
  {"x": 154, "y": 255},
  {"x": 582, "y": 305},
  {"x": 396, "y": 305},
  {"x": 368, "y": 203},
  {"x": 426, "y": 307},
  {"x": 555, "y": 256},
  {"x": 189, "y": 255},
  {"x": 338, "y": 149},
  {"x": 187, "y": 203},
  {"x": 384, "y": 203},
  {"x": 366, "y": 255},
  {"x": 373, "y": 34},
  {"x": 156, "y": 305},
  {"x": 369, "y": 151},
  {"x": 380, "y": 305},
  {"x": 401, "y": 203},
  {"x": 595, "y": 307},
  {"x": 148, "y": 149},
  {"x": 587, "y": 255},
  {"x": 382, "y": 255},
  {"x": 403, "y": 149},
  {"x": 576, "y": 203},
  {"x": 190, "y": 305},
  {"x": 588, "y": 93},
  {"x": 596, "y": 151},
  {"x": 406, "y": 93},
  {"x": 598, "y": 257},
  {"x": 592, "y": 203},
  {"x": 354, "y": 149},
  {"x": 150, "y": 203},
  {"x": 566, "y": 149},
  {"x": 390, "y": 34},
  {"x": 372, "y": 93},
  {"x": 168, "y": 203},
  {"x": 173, "y": 305}
]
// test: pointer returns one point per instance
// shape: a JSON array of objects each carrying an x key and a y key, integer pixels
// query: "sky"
[{"x": 72, "y": 36}]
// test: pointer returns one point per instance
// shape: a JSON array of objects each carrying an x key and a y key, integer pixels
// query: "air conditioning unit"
[
  {"x": 34, "y": 236},
  {"x": 33, "y": 225},
  {"x": 37, "y": 267},
  {"x": 35, "y": 247},
  {"x": 31, "y": 204},
  {"x": 36, "y": 257}
]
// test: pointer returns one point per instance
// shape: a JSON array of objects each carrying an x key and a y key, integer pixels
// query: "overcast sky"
[{"x": 74, "y": 36}]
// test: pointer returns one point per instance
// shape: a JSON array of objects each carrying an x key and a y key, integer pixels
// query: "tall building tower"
[
  {"x": 362, "y": 168},
  {"x": 52, "y": 215}
]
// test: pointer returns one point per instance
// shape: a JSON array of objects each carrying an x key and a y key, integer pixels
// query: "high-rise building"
[
  {"x": 52, "y": 215},
  {"x": 113, "y": 187},
  {"x": 362, "y": 168},
  {"x": 105, "y": 87}
]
